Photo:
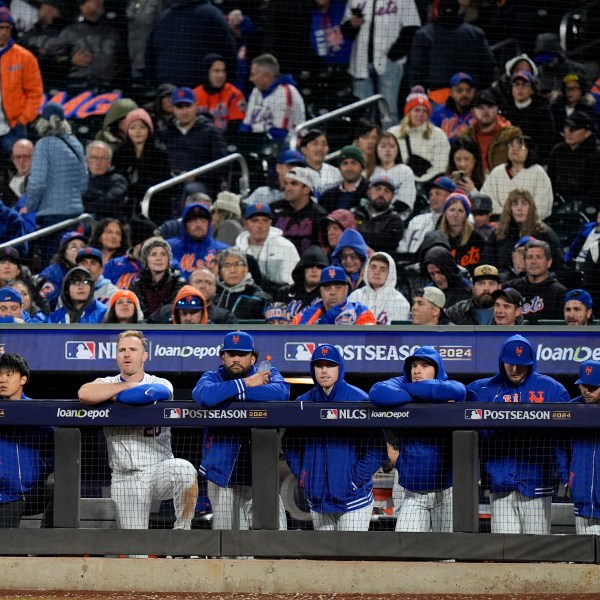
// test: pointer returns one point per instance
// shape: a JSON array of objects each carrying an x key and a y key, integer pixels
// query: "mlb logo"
[
  {"x": 329, "y": 413},
  {"x": 301, "y": 351},
  {"x": 474, "y": 414},
  {"x": 172, "y": 413},
  {"x": 80, "y": 350}
]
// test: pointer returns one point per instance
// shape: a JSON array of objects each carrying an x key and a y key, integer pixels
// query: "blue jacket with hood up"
[
  {"x": 352, "y": 239},
  {"x": 226, "y": 455},
  {"x": 424, "y": 463},
  {"x": 519, "y": 461},
  {"x": 335, "y": 467}
]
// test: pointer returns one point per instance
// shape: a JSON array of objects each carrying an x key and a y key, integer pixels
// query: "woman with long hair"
[
  {"x": 519, "y": 219},
  {"x": 520, "y": 171},
  {"x": 143, "y": 161},
  {"x": 389, "y": 163},
  {"x": 466, "y": 244},
  {"x": 367, "y": 136},
  {"x": 423, "y": 146},
  {"x": 110, "y": 237},
  {"x": 124, "y": 307},
  {"x": 464, "y": 164}
]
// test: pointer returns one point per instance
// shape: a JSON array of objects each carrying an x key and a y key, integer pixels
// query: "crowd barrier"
[{"x": 266, "y": 420}]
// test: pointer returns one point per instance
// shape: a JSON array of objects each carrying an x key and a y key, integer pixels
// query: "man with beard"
[
  {"x": 226, "y": 460},
  {"x": 479, "y": 309},
  {"x": 380, "y": 225},
  {"x": 578, "y": 308},
  {"x": 455, "y": 114}
]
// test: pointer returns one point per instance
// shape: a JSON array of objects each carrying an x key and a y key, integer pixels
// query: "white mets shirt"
[{"x": 136, "y": 448}]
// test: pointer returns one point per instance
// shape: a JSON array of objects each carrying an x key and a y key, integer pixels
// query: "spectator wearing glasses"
[
  {"x": 189, "y": 307},
  {"x": 575, "y": 95},
  {"x": 13, "y": 182},
  {"x": 107, "y": 189},
  {"x": 77, "y": 298},
  {"x": 237, "y": 291},
  {"x": 351, "y": 255}
]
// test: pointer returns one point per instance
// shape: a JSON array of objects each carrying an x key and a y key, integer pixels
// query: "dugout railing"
[{"x": 265, "y": 421}]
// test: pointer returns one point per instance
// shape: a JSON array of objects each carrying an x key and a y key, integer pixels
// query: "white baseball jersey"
[
  {"x": 283, "y": 108},
  {"x": 135, "y": 448}
]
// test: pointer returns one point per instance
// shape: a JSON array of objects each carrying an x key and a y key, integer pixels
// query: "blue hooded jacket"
[
  {"x": 583, "y": 476},
  {"x": 425, "y": 460},
  {"x": 353, "y": 239},
  {"x": 26, "y": 459},
  {"x": 513, "y": 460},
  {"x": 334, "y": 467},
  {"x": 226, "y": 453}
]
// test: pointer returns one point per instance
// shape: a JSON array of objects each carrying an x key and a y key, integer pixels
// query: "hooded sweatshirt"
[
  {"x": 523, "y": 462},
  {"x": 223, "y": 104},
  {"x": 424, "y": 463},
  {"x": 459, "y": 283},
  {"x": 92, "y": 311},
  {"x": 184, "y": 292},
  {"x": 386, "y": 303},
  {"x": 334, "y": 467},
  {"x": 119, "y": 110},
  {"x": 276, "y": 258},
  {"x": 354, "y": 240}
]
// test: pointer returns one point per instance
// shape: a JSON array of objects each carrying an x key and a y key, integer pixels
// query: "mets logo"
[
  {"x": 236, "y": 339},
  {"x": 536, "y": 398},
  {"x": 180, "y": 93},
  {"x": 518, "y": 351},
  {"x": 331, "y": 273},
  {"x": 259, "y": 207},
  {"x": 324, "y": 351},
  {"x": 589, "y": 370}
]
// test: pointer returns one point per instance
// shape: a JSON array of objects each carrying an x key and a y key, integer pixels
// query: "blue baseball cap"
[
  {"x": 525, "y": 75},
  {"x": 89, "y": 252},
  {"x": 581, "y": 295},
  {"x": 460, "y": 78},
  {"x": 8, "y": 294},
  {"x": 517, "y": 352},
  {"x": 72, "y": 235},
  {"x": 444, "y": 183},
  {"x": 258, "y": 209},
  {"x": 196, "y": 211},
  {"x": 190, "y": 303},
  {"x": 326, "y": 352},
  {"x": 333, "y": 275},
  {"x": 589, "y": 373},
  {"x": 183, "y": 95},
  {"x": 522, "y": 241},
  {"x": 238, "y": 341},
  {"x": 291, "y": 157}
]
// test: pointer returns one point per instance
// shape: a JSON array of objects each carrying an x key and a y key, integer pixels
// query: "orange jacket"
[
  {"x": 228, "y": 105},
  {"x": 22, "y": 87}
]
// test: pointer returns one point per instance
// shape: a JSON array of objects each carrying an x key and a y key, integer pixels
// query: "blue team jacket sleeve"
[
  {"x": 147, "y": 393},
  {"x": 212, "y": 389},
  {"x": 390, "y": 393},
  {"x": 435, "y": 390},
  {"x": 374, "y": 454}
]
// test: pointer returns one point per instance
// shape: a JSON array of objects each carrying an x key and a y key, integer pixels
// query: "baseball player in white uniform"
[{"x": 142, "y": 464}]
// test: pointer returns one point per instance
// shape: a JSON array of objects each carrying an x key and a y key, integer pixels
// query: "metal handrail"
[
  {"x": 221, "y": 162},
  {"x": 338, "y": 112},
  {"x": 564, "y": 23},
  {"x": 34, "y": 235}
]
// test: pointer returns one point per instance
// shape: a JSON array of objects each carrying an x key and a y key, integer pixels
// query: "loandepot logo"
[
  {"x": 567, "y": 353},
  {"x": 83, "y": 413}
]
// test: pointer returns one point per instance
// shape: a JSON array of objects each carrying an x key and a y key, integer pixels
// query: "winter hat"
[
  {"x": 452, "y": 198},
  {"x": 417, "y": 97},
  {"x": 139, "y": 114},
  {"x": 152, "y": 243},
  {"x": 228, "y": 201},
  {"x": 353, "y": 152},
  {"x": 277, "y": 311},
  {"x": 124, "y": 294}
]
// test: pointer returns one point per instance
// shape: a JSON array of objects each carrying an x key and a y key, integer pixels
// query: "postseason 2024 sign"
[{"x": 372, "y": 350}]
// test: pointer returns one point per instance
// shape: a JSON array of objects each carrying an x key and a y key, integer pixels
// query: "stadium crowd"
[{"x": 461, "y": 191}]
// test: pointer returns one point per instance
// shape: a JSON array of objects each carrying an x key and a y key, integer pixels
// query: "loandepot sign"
[{"x": 566, "y": 353}]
